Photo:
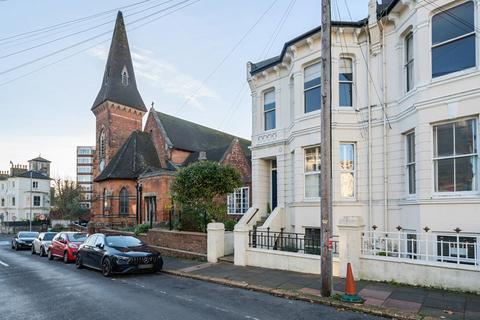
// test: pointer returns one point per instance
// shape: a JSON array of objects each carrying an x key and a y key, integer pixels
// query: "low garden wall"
[{"x": 192, "y": 245}]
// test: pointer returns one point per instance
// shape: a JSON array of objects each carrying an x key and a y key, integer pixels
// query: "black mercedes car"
[
  {"x": 23, "y": 239},
  {"x": 117, "y": 254}
]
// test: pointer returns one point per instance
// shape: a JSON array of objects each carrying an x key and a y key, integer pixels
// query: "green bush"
[
  {"x": 230, "y": 225},
  {"x": 142, "y": 228}
]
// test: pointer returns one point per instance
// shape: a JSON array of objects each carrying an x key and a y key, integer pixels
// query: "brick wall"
[
  {"x": 113, "y": 215},
  {"x": 158, "y": 186},
  {"x": 158, "y": 139},
  {"x": 236, "y": 158}
]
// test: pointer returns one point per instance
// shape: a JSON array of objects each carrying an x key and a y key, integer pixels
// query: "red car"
[{"x": 65, "y": 245}]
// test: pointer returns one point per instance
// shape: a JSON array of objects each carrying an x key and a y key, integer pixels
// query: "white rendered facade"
[{"x": 394, "y": 94}]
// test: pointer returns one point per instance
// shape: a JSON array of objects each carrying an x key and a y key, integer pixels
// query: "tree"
[
  {"x": 67, "y": 198},
  {"x": 202, "y": 188}
]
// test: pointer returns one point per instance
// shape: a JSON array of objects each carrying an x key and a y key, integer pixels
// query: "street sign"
[{"x": 41, "y": 217}]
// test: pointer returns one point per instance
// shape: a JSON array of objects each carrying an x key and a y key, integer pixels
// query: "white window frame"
[
  {"x": 432, "y": 46},
  {"x": 454, "y": 194},
  {"x": 412, "y": 163},
  {"x": 409, "y": 64},
  {"x": 353, "y": 144},
  {"x": 351, "y": 82},
  {"x": 305, "y": 173},
  {"x": 274, "y": 110},
  {"x": 232, "y": 197},
  {"x": 310, "y": 88}
]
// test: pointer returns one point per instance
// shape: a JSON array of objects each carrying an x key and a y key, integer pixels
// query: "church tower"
[{"x": 118, "y": 108}]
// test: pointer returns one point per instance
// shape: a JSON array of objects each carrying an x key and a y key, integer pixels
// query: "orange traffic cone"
[{"x": 350, "y": 288}]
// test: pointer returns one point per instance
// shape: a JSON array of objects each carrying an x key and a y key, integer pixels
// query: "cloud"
[{"x": 159, "y": 73}]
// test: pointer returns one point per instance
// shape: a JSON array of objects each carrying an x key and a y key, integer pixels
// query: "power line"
[
  {"x": 226, "y": 57},
  {"x": 96, "y": 44},
  {"x": 60, "y": 25},
  {"x": 276, "y": 31},
  {"x": 78, "y": 32},
  {"x": 84, "y": 41}
]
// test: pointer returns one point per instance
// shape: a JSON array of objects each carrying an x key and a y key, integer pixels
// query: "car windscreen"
[
  {"x": 48, "y": 236},
  {"x": 123, "y": 241},
  {"x": 28, "y": 234},
  {"x": 77, "y": 237}
]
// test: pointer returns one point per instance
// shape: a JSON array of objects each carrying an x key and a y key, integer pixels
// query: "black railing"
[{"x": 287, "y": 241}]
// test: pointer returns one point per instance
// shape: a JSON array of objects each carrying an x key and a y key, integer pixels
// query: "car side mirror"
[{"x": 99, "y": 245}]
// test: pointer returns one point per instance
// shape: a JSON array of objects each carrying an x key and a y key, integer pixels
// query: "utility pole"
[
  {"x": 31, "y": 195},
  {"x": 326, "y": 152}
]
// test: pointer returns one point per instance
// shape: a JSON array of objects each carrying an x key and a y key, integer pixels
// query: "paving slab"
[{"x": 403, "y": 305}]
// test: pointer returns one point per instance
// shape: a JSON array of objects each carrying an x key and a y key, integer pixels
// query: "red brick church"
[{"x": 133, "y": 168}]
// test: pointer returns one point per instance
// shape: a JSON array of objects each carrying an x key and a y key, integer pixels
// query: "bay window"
[
  {"x": 269, "y": 110},
  {"x": 312, "y": 172},
  {"x": 455, "y": 156},
  {"x": 347, "y": 170},
  {"x": 345, "y": 78},
  {"x": 312, "y": 88},
  {"x": 453, "y": 39},
  {"x": 238, "y": 201}
]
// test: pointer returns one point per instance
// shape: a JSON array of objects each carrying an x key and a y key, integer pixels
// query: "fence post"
[
  {"x": 215, "y": 241},
  {"x": 350, "y": 243}
]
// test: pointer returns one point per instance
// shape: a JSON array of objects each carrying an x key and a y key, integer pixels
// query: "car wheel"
[
  {"x": 16, "y": 247},
  {"x": 33, "y": 249},
  {"x": 78, "y": 262},
  {"x": 13, "y": 246},
  {"x": 42, "y": 252},
  {"x": 65, "y": 257},
  {"x": 50, "y": 256},
  {"x": 106, "y": 267}
]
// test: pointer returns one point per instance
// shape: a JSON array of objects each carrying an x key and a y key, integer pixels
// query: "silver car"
[{"x": 42, "y": 242}]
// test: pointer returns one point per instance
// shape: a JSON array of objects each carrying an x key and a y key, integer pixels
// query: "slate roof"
[
  {"x": 40, "y": 159},
  {"x": 136, "y": 156},
  {"x": 190, "y": 136},
  {"x": 212, "y": 155},
  {"x": 119, "y": 57},
  {"x": 34, "y": 175}
]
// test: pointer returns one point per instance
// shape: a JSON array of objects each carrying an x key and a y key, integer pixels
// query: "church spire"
[{"x": 119, "y": 79}]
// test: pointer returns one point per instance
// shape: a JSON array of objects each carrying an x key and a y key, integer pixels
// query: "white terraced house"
[{"x": 405, "y": 117}]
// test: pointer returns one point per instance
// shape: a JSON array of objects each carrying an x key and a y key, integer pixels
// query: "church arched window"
[
  {"x": 102, "y": 148},
  {"x": 124, "y": 201}
]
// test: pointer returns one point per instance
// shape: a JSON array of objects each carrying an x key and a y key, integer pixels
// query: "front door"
[
  {"x": 274, "y": 184},
  {"x": 151, "y": 209}
]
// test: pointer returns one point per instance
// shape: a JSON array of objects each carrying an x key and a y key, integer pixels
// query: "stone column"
[
  {"x": 215, "y": 241},
  {"x": 240, "y": 244},
  {"x": 350, "y": 230}
]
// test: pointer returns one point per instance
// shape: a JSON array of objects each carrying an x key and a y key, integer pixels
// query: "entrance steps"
[{"x": 228, "y": 258}]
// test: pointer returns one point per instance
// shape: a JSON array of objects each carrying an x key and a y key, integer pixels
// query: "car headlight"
[
  {"x": 72, "y": 245},
  {"x": 20, "y": 241}
]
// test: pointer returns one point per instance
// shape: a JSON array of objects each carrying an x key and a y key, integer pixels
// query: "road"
[{"x": 35, "y": 288}]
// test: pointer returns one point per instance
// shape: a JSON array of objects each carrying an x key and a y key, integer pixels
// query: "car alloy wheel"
[
  {"x": 106, "y": 267},
  {"x": 16, "y": 247},
  {"x": 65, "y": 257},
  {"x": 50, "y": 256},
  {"x": 78, "y": 262}
]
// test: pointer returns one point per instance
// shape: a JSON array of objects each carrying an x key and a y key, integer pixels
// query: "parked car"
[
  {"x": 65, "y": 245},
  {"x": 42, "y": 242},
  {"x": 23, "y": 239},
  {"x": 117, "y": 254}
]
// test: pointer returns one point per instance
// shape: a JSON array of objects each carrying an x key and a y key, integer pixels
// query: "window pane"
[
  {"x": 269, "y": 100},
  {"x": 444, "y": 142},
  {"x": 465, "y": 137},
  {"x": 312, "y": 99},
  {"x": 312, "y": 72},
  {"x": 270, "y": 120},
  {"x": 312, "y": 185},
  {"x": 345, "y": 69},
  {"x": 445, "y": 175},
  {"x": 409, "y": 49},
  {"x": 411, "y": 179},
  {"x": 345, "y": 93},
  {"x": 465, "y": 173},
  {"x": 411, "y": 147},
  {"x": 347, "y": 184},
  {"x": 346, "y": 156},
  {"x": 312, "y": 159},
  {"x": 453, "y": 56},
  {"x": 453, "y": 23}
]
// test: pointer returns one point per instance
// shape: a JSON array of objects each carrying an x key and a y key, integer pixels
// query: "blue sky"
[{"x": 48, "y": 112}]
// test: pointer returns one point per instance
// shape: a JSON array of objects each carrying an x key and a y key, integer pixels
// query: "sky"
[{"x": 190, "y": 62}]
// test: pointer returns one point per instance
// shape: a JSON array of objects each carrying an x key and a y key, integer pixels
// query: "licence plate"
[{"x": 145, "y": 266}]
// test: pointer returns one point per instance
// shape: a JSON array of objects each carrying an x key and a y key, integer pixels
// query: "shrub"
[
  {"x": 230, "y": 225},
  {"x": 142, "y": 228}
]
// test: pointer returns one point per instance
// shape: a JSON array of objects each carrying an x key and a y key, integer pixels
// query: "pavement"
[
  {"x": 32, "y": 287},
  {"x": 384, "y": 299}
]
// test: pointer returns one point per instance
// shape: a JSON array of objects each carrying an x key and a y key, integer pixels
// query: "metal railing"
[
  {"x": 455, "y": 248},
  {"x": 288, "y": 241}
]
